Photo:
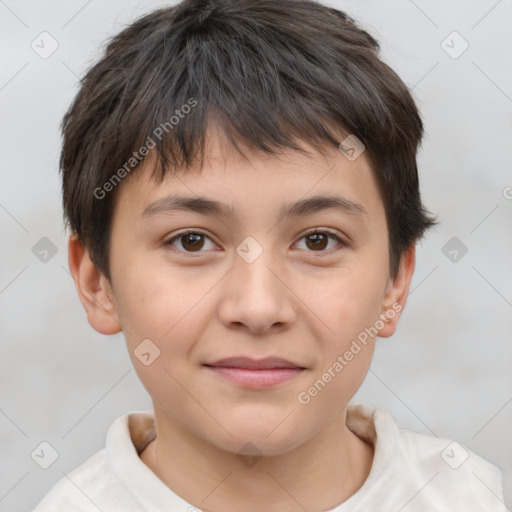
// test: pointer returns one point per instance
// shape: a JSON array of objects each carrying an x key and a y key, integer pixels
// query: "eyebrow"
[{"x": 206, "y": 206}]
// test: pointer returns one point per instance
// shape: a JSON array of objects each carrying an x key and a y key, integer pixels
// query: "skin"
[{"x": 295, "y": 301}]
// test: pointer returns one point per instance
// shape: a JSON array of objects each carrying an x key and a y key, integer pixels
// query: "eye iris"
[
  {"x": 319, "y": 240},
  {"x": 193, "y": 239}
]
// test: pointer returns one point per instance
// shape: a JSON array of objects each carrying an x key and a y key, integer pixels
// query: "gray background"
[{"x": 446, "y": 372}]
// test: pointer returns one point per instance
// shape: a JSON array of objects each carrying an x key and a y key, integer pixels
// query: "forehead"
[{"x": 232, "y": 184}]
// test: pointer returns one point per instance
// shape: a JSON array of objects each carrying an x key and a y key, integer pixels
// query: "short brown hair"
[{"x": 270, "y": 72}]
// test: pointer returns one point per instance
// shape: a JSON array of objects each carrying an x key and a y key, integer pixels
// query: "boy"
[{"x": 241, "y": 184}]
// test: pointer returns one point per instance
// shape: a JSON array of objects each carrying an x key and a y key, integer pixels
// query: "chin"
[{"x": 260, "y": 439}]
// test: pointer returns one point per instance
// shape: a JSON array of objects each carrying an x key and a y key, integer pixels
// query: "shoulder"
[
  {"x": 433, "y": 473},
  {"x": 81, "y": 488},
  {"x": 462, "y": 477},
  {"x": 93, "y": 485}
]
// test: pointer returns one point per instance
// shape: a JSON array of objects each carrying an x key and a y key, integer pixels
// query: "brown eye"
[
  {"x": 318, "y": 241},
  {"x": 190, "y": 241}
]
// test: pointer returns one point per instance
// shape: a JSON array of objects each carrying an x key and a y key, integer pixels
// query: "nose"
[{"x": 257, "y": 297}]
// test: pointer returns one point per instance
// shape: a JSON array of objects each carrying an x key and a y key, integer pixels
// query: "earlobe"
[
  {"x": 93, "y": 289},
  {"x": 396, "y": 293}
]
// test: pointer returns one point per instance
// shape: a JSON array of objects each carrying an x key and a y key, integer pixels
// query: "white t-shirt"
[{"x": 410, "y": 473}]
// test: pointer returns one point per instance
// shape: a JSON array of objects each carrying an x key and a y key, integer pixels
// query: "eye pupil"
[{"x": 319, "y": 240}]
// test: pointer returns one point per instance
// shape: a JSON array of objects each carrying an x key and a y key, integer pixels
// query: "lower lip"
[{"x": 257, "y": 379}]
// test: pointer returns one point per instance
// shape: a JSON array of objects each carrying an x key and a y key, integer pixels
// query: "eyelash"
[{"x": 184, "y": 233}]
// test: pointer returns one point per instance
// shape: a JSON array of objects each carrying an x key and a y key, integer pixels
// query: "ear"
[
  {"x": 396, "y": 293},
  {"x": 93, "y": 289}
]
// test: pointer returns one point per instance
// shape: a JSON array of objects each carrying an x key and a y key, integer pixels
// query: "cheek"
[
  {"x": 157, "y": 301},
  {"x": 351, "y": 301},
  {"x": 348, "y": 303},
  {"x": 170, "y": 308},
  {"x": 162, "y": 329}
]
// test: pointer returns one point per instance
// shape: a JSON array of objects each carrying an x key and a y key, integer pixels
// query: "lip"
[
  {"x": 248, "y": 363},
  {"x": 255, "y": 373}
]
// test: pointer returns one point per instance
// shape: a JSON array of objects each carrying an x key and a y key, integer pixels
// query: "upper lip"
[{"x": 254, "y": 364}]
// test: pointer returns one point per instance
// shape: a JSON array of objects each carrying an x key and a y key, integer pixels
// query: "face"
[{"x": 292, "y": 286}]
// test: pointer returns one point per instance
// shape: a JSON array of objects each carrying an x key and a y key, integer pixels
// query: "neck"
[{"x": 316, "y": 475}]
